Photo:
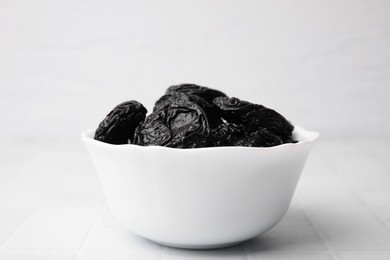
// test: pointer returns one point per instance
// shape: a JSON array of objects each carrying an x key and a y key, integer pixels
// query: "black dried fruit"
[
  {"x": 191, "y": 89},
  {"x": 226, "y": 134},
  {"x": 167, "y": 99},
  {"x": 213, "y": 113},
  {"x": 183, "y": 122},
  {"x": 259, "y": 138},
  {"x": 192, "y": 116},
  {"x": 152, "y": 131},
  {"x": 254, "y": 117},
  {"x": 119, "y": 125}
]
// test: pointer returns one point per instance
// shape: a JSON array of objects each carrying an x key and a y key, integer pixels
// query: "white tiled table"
[{"x": 52, "y": 207}]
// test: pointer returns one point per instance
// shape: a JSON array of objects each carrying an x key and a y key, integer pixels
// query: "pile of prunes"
[{"x": 192, "y": 116}]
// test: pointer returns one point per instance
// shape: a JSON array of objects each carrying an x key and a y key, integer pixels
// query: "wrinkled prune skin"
[
  {"x": 191, "y": 89},
  {"x": 168, "y": 99},
  {"x": 119, "y": 125},
  {"x": 183, "y": 122},
  {"x": 259, "y": 138},
  {"x": 152, "y": 131},
  {"x": 213, "y": 113},
  {"x": 192, "y": 116},
  {"x": 254, "y": 117},
  {"x": 188, "y": 124},
  {"x": 226, "y": 134}
]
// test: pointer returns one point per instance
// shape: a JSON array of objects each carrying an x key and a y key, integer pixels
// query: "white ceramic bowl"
[{"x": 199, "y": 198}]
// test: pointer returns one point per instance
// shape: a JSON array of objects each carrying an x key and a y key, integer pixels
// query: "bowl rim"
[{"x": 306, "y": 136}]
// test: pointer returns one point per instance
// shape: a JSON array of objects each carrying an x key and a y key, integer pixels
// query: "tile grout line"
[
  {"x": 98, "y": 220},
  {"x": 357, "y": 197},
  {"x": 44, "y": 250},
  {"x": 319, "y": 227},
  {"x": 319, "y": 231},
  {"x": 369, "y": 207},
  {"x": 372, "y": 154},
  {"x": 380, "y": 162},
  {"x": 39, "y": 205},
  {"x": 121, "y": 251}
]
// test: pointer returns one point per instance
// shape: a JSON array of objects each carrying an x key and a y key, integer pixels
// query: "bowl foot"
[{"x": 198, "y": 246}]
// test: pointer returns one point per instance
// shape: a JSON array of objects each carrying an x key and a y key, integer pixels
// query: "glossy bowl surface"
[{"x": 199, "y": 198}]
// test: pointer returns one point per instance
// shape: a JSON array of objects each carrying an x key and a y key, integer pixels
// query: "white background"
[{"x": 64, "y": 65}]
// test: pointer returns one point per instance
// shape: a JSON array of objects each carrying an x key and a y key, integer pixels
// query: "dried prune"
[
  {"x": 253, "y": 117},
  {"x": 236, "y": 110},
  {"x": 188, "y": 124},
  {"x": 192, "y": 116},
  {"x": 167, "y": 99},
  {"x": 226, "y": 134},
  {"x": 183, "y": 123},
  {"x": 213, "y": 113},
  {"x": 152, "y": 131},
  {"x": 259, "y": 138},
  {"x": 191, "y": 89},
  {"x": 119, "y": 125}
]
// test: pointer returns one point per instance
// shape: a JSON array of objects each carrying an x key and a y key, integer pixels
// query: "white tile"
[
  {"x": 37, "y": 255},
  {"x": 377, "y": 147},
  {"x": 120, "y": 239},
  {"x": 77, "y": 189},
  {"x": 85, "y": 198},
  {"x": 5, "y": 234},
  {"x": 355, "y": 166},
  {"x": 330, "y": 198},
  {"x": 368, "y": 179},
  {"x": 294, "y": 233},
  {"x": 12, "y": 217},
  {"x": 145, "y": 255},
  {"x": 10, "y": 172},
  {"x": 364, "y": 255},
  {"x": 77, "y": 181},
  {"x": 21, "y": 198},
  {"x": 325, "y": 191},
  {"x": 203, "y": 256},
  {"x": 323, "y": 181},
  {"x": 43, "y": 238},
  {"x": 53, "y": 217},
  {"x": 363, "y": 238},
  {"x": 274, "y": 255},
  {"x": 378, "y": 201},
  {"x": 39, "y": 178},
  {"x": 317, "y": 166},
  {"x": 109, "y": 221},
  {"x": 33, "y": 179},
  {"x": 376, "y": 197},
  {"x": 384, "y": 213},
  {"x": 66, "y": 214},
  {"x": 342, "y": 217},
  {"x": 230, "y": 253}
]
